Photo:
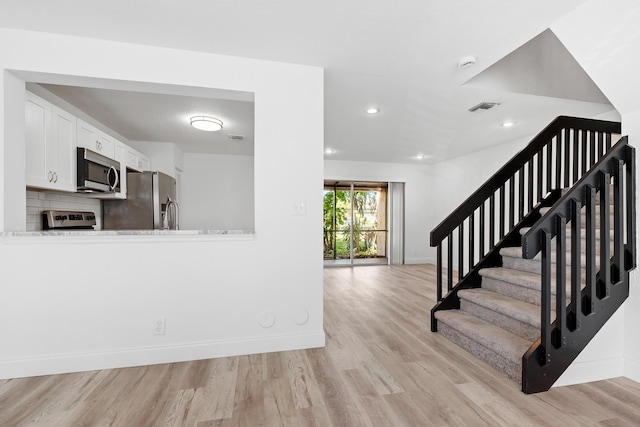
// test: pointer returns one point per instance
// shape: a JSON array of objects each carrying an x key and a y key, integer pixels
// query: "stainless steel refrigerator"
[{"x": 150, "y": 204}]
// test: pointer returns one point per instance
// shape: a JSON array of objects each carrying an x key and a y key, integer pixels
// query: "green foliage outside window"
[{"x": 337, "y": 221}]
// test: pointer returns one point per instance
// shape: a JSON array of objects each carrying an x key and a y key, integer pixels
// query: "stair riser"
[
  {"x": 508, "y": 323},
  {"x": 583, "y": 257},
  {"x": 498, "y": 362},
  {"x": 518, "y": 292},
  {"x": 521, "y": 293},
  {"x": 534, "y": 266}
]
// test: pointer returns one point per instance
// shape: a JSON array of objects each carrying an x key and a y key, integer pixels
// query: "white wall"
[
  {"x": 417, "y": 203},
  {"x": 453, "y": 181},
  {"x": 631, "y": 127},
  {"x": 89, "y": 302},
  {"x": 603, "y": 37},
  {"x": 218, "y": 192}
]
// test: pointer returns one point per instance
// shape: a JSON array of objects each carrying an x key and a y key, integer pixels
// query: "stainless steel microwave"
[{"x": 97, "y": 173}]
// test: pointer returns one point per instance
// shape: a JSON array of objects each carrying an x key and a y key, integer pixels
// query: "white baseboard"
[
  {"x": 419, "y": 260},
  {"x": 589, "y": 371},
  {"x": 79, "y": 362},
  {"x": 632, "y": 369}
]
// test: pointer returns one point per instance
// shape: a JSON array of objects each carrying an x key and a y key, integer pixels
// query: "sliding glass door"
[{"x": 355, "y": 223}]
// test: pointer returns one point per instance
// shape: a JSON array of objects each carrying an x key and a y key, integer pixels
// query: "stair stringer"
[{"x": 538, "y": 373}]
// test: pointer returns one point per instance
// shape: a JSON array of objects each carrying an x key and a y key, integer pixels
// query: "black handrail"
[
  {"x": 514, "y": 165},
  {"x": 606, "y": 283},
  {"x": 557, "y": 157}
]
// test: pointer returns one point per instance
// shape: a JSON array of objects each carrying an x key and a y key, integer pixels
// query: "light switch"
[{"x": 298, "y": 207}]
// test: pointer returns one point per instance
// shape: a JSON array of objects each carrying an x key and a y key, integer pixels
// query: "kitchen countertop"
[{"x": 132, "y": 235}]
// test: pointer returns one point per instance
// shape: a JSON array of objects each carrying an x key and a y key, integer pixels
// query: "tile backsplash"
[{"x": 38, "y": 201}]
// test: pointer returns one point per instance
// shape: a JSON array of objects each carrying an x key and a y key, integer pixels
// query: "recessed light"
[
  {"x": 206, "y": 123},
  {"x": 508, "y": 124},
  {"x": 372, "y": 110},
  {"x": 329, "y": 150},
  {"x": 420, "y": 157}
]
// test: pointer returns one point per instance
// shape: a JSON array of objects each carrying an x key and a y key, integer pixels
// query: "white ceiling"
[
  {"x": 401, "y": 56},
  {"x": 146, "y": 116}
]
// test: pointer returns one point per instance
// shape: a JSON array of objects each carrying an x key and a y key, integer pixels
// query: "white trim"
[
  {"x": 419, "y": 260},
  {"x": 632, "y": 369},
  {"x": 584, "y": 372},
  {"x": 80, "y": 362}
]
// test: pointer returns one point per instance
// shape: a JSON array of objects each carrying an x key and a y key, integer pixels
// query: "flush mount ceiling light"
[
  {"x": 508, "y": 124},
  {"x": 372, "y": 110},
  {"x": 329, "y": 150},
  {"x": 206, "y": 123},
  {"x": 420, "y": 157}
]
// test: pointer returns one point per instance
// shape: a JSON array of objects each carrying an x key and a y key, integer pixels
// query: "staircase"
[
  {"x": 546, "y": 267},
  {"x": 506, "y": 309}
]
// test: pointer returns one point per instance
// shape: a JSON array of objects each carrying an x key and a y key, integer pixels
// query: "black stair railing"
[
  {"x": 556, "y": 158},
  {"x": 592, "y": 299}
]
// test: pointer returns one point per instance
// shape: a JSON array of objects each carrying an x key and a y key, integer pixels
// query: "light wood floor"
[{"x": 381, "y": 367}]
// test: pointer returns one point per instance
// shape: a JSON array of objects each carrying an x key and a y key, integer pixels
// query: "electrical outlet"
[{"x": 159, "y": 326}]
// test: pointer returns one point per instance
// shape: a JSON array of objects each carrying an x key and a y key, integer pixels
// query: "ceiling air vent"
[
  {"x": 484, "y": 106},
  {"x": 236, "y": 137}
]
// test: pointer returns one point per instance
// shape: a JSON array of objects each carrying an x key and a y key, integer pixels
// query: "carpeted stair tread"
[
  {"x": 521, "y": 278},
  {"x": 517, "y": 253},
  {"x": 517, "y": 284},
  {"x": 512, "y": 251},
  {"x": 516, "y": 309},
  {"x": 501, "y": 342}
]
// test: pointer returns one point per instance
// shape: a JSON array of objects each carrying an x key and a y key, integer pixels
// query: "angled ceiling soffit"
[{"x": 542, "y": 67}]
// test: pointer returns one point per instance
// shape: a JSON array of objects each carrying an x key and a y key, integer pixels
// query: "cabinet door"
[
  {"x": 61, "y": 155},
  {"x": 144, "y": 163},
  {"x": 38, "y": 133},
  {"x": 136, "y": 161},
  {"x": 131, "y": 159},
  {"x": 87, "y": 136},
  {"x": 106, "y": 145}
]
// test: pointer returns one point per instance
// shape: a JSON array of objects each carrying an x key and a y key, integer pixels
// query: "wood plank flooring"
[{"x": 381, "y": 367}]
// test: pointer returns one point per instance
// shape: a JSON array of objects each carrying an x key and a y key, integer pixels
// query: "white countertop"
[{"x": 129, "y": 235}]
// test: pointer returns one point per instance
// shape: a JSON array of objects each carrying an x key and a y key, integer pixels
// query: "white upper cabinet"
[
  {"x": 95, "y": 140},
  {"x": 64, "y": 130},
  {"x": 50, "y": 146},
  {"x": 136, "y": 161},
  {"x": 52, "y": 136},
  {"x": 144, "y": 162}
]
